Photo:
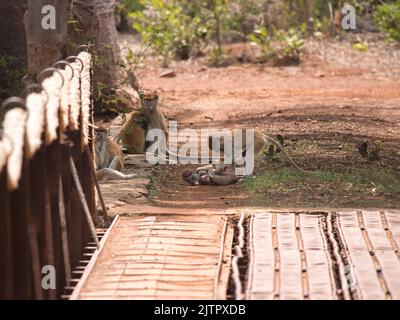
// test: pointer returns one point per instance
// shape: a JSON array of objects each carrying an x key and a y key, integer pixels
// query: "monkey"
[
  {"x": 261, "y": 141},
  {"x": 222, "y": 175},
  {"x": 156, "y": 120},
  {"x": 149, "y": 117},
  {"x": 108, "y": 157},
  {"x": 132, "y": 136},
  {"x": 149, "y": 104}
]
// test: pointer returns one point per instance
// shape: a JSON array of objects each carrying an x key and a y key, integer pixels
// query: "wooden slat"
[{"x": 148, "y": 266}]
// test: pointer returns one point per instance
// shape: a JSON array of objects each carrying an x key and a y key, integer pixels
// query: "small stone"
[{"x": 168, "y": 74}]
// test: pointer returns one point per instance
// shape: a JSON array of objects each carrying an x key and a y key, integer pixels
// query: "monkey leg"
[{"x": 114, "y": 165}]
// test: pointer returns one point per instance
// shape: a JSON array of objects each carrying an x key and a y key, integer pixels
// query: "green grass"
[
  {"x": 364, "y": 179},
  {"x": 155, "y": 186},
  {"x": 368, "y": 186}
]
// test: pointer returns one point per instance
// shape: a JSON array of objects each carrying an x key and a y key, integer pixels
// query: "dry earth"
[{"x": 335, "y": 99}]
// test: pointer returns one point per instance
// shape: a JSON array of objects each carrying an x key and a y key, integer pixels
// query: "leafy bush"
[
  {"x": 290, "y": 45},
  {"x": 173, "y": 30},
  {"x": 281, "y": 46},
  {"x": 182, "y": 28},
  {"x": 387, "y": 17},
  {"x": 217, "y": 58},
  {"x": 261, "y": 38}
]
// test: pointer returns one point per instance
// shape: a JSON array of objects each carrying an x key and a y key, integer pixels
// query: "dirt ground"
[{"x": 334, "y": 100}]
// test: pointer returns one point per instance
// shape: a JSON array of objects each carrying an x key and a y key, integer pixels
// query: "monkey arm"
[
  {"x": 205, "y": 168},
  {"x": 101, "y": 155},
  {"x": 211, "y": 172}
]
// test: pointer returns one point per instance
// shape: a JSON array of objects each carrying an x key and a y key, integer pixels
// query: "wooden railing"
[{"x": 47, "y": 181}]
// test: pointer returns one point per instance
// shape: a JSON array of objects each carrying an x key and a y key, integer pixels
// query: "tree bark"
[
  {"x": 44, "y": 46},
  {"x": 96, "y": 24}
]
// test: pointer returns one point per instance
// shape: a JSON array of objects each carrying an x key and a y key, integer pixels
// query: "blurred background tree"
[{"x": 182, "y": 28}]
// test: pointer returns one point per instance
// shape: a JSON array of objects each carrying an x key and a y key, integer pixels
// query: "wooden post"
[
  {"x": 6, "y": 267},
  {"x": 22, "y": 263}
]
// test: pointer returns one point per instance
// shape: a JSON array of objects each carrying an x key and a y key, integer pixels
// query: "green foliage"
[
  {"x": 217, "y": 58},
  {"x": 12, "y": 70},
  {"x": 261, "y": 38},
  {"x": 280, "y": 45},
  {"x": 387, "y": 18},
  {"x": 185, "y": 28},
  {"x": 182, "y": 28},
  {"x": 290, "y": 44},
  {"x": 361, "y": 46},
  {"x": 379, "y": 180},
  {"x": 129, "y": 6},
  {"x": 173, "y": 30}
]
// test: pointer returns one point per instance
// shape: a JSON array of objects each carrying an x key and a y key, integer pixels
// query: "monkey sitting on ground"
[
  {"x": 108, "y": 157},
  {"x": 222, "y": 175},
  {"x": 149, "y": 117}
]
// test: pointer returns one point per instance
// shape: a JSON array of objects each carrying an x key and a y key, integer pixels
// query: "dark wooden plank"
[
  {"x": 22, "y": 264},
  {"x": 6, "y": 269},
  {"x": 77, "y": 215}
]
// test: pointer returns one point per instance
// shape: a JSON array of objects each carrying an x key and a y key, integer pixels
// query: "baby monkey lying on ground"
[{"x": 221, "y": 175}]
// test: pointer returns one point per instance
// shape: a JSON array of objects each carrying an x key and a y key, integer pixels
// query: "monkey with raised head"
[
  {"x": 133, "y": 132},
  {"x": 108, "y": 157}
]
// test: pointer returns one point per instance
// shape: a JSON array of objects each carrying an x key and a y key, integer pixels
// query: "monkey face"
[
  {"x": 100, "y": 134},
  {"x": 148, "y": 101}
]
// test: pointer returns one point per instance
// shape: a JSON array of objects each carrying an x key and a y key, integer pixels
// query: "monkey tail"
[
  {"x": 108, "y": 173},
  {"x": 169, "y": 154},
  {"x": 277, "y": 143}
]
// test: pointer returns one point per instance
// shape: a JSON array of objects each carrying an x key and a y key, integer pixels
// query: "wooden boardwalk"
[
  {"x": 161, "y": 257},
  {"x": 326, "y": 255},
  {"x": 290, "y": 255}
]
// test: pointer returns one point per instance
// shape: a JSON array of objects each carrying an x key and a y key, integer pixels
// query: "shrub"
[
  {"x": 170, "y": 28},
  {"x": 290, "y": 45},
  {"x": 261, "y": 38},
  {"x": 283, "y": 47},
  {"x": 387, "y": 18}
]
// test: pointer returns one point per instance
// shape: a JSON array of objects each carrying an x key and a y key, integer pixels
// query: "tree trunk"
[
  {"x": 309, "y": 16},
  {"x": 94, "y": 21},
  {"x": 45, "y": 42}
]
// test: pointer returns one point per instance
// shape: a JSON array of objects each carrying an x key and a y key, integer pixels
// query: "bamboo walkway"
[
  {"x": 289, "y": 255},
  {"x": 161, "y": 257},
  {"x": 326, "y": 255}
]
